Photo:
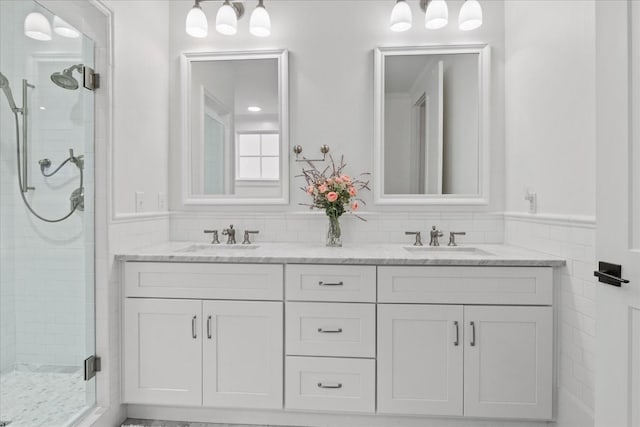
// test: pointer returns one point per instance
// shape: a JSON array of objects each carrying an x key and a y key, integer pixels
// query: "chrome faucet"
[
  {"x": 231, "y": 235},
  {"x": 452, "y": 237},
  {"x": 435, "y": 235},
  {"x": 418, "y": 241},
  {"x": 214, "y": 239},
  {"x": 246, "y": 240}
]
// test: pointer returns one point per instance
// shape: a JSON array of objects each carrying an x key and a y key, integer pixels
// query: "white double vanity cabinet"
[{"x": 366, "y": 336}]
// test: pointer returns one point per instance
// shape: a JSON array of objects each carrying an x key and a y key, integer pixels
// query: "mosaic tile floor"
[
  {"x": 156, "y": 423},
  {"x": 42, "y": 396}
]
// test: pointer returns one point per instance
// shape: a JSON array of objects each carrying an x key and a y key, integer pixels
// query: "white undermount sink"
[
  {"x": 463, "y": 250},
  {"x": 208, "y": 247}
]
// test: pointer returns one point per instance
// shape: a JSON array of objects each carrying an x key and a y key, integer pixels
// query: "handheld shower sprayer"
[{"x": 4, "y": 85}]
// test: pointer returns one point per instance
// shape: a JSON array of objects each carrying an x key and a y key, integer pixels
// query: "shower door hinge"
[
  {"x": 91, "y": 79},
  {"x": 92, "y": 364}
]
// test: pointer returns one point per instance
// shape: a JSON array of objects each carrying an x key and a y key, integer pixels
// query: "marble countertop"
[{"x": 360, "y": 254}]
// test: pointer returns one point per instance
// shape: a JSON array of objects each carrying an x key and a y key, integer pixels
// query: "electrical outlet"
[
  {"x": 162, "y": 201},
  {"x": 139, "y": 201}
]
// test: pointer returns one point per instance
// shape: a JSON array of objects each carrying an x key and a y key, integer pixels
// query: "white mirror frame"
[
  {"x": 186, "y": 60},
  {"x": 482, "y": 197}
]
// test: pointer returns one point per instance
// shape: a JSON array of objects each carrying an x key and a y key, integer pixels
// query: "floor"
[{"x": 39, "y": 396}]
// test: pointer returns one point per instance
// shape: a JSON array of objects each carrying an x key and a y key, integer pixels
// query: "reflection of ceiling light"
[
  {"x": 400, "y": 17},
  {"x": 37, "y": 27},
  {"x": 260, "y": 23},
  {"x": 470, "y": 15},
  {"x": 254, "y": 109},
  {"x": 62, "y": 28},
  {"x": 196, "y": 24},
  {"x": 42, "y": 108}
]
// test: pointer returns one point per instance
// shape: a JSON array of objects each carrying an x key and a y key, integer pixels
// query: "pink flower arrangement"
[{"x": 333, "y": 190}]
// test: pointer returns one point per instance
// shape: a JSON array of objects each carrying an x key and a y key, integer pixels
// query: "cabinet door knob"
[{"x": 473, "y": 334}]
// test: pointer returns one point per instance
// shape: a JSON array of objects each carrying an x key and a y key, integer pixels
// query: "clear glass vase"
[{"x": 334, "y": 233}]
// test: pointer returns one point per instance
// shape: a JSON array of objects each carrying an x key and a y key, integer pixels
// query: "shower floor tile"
[{"x": 36, "y": 396}]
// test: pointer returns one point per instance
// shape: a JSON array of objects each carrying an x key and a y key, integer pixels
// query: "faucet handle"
[
  {"x": 418, "y": 241},
  {"x": 452, "y": 237},
  {"x": 214, "y": 239},
  {"x": 246, "y": 240}
]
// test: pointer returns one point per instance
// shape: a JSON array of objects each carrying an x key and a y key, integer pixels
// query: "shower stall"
[{"x": 47, "y": 304}]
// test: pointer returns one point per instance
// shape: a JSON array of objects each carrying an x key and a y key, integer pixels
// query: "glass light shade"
[
  {"x": 226, "y": 20},
  {"x": 401, "y": 17},
  {"x": 470, "y": 16},
  {"x": 37, "y": 27},
  {"x": 62, "y": 28},
  {"x": 196, "y": 23},
  {"x": 260, "y": 23},
  {"x": 437, "y": 15}
]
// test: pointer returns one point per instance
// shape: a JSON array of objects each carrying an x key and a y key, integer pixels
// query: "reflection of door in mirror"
[
  {"x": 431, "y": 131},
  {"x": 216, "y": 134}
]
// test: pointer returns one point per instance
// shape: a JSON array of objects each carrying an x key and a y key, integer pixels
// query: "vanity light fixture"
[
  {"x": 227, "y": 19},
  {"x": 260, "y": 23},
  {"x": 470, "y": 16},
  {"x": 254, "y": 109},
  {"x": 196, "y": 23},
  {"x": 62, "y": 28},
  {"x": 37, "y": 27},
  {"x": 436, "y": 14},
  {"x": 401, "y": 17}
]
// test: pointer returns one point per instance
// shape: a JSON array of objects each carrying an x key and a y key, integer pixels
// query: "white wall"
[
  {"x": 550, "y": 148},
  {"x": 550, "y": 105},
  {"x": 141, "y": 103},
  {"x": 331, "y": 77}
]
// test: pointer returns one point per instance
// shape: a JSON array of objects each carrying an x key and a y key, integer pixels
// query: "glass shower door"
[{"x": 47, "y": 312}]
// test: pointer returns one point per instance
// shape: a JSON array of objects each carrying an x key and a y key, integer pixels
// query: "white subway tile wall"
[{"x": 574, "y": 241}]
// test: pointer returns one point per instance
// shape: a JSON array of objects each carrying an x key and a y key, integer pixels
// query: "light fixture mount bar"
[{"x": 424, "y": 4}]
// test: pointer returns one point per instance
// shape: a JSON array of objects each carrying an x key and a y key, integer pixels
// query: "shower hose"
[{"x": 20, "y": 183}]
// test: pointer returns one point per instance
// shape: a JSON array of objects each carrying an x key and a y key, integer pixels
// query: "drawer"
[
  {"x": 330, "y": 384},
  {"x": 466, "y": 285},
  {"x": 330, "y": 329},
  {"x": 199, "y": 280},
  {"x": 347, "y": 283}
]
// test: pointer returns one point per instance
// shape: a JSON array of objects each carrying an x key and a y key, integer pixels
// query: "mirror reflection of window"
[{"x": 258, "y": 156}]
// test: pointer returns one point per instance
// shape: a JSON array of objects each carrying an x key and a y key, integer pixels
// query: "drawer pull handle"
[
  {"x": 457, "y": 341},
  {"x": 330, "y": 331},
  {"x": 334, "y": 385},
  {"x": 473, "y": 334},
  {"x": 209, "y": 327},
  {"x": 194, "y": 335},
  {"x": 321, "y": 283}
]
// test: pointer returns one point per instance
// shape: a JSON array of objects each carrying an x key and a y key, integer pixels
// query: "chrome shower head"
[
  {"x": 4, "y": 85},
  {"x": 65, "y": 78}
]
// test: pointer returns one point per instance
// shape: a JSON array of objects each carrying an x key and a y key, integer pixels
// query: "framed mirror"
[
  {"x": 431, "y": 125},
  {"x": 235, "y": 128}
]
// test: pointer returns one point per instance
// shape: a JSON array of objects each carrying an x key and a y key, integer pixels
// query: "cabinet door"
[
  {"x": 162, "y": 352},
  {"x": 243, "y": 354},
  {"x": 420, "y": 351},
  {"x": 508, "y": 362}
]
